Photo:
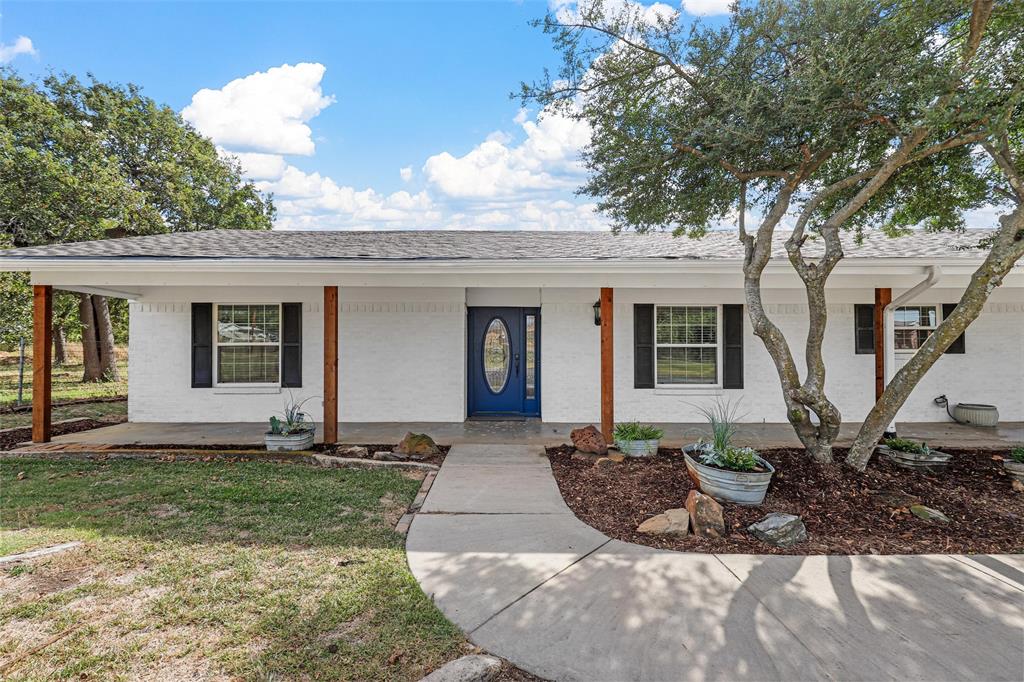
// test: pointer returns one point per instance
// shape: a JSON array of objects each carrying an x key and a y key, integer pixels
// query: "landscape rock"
[
  {"x": 386, "y": 456},
  {"x": 473, "y": 668},
  {"x": 705, "y": 515},
  {"x": 669, "y": 522},
  {"x": 928, "y": 514},
  {"x": 895, "y": 499},
  {"x": 1017, "y": 486},
  {"x": 417, "y": 446},
  {"x": 616, "y": 457},
  {"x": 589, "y": 439},
  {"x": 352, "y": 451},
  {"x": 585, "y": 456},
  {"x": 605, "y": 463},
  {"x": 779, "y": 530}
]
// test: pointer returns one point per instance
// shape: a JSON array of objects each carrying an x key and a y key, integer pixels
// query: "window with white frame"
[
  {"x": 913, "y": 325},
  {"x": 248, "y": 344},
  {"x": 687, "y": 349}
]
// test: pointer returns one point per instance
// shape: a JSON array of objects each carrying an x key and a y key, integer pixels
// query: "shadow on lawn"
[
  {"x": 251, "y": 503},
  {"x": 626, "y": 612}
]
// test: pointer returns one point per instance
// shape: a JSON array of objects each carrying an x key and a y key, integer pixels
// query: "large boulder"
[
  {"x": 780, "y": 530},
  {"x": 417, "y": 446},
  {"x": 669, "y": 522},
  {"x": 589, "y": 439},
  {"x": 705, "y": 515}
]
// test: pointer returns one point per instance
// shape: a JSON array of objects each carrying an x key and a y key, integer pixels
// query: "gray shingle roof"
[{"x": 451, "y": 245}]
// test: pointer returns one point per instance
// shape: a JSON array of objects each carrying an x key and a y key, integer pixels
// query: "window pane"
[
  {"x": 248, "y": 323},
  {"x": 916, "y": 316},
  {"x": 497, "y": 355},
  {"x": 687, "y": 366},
  {"x": 247, "y": 364},
  {"x": 531, "y": 358}
]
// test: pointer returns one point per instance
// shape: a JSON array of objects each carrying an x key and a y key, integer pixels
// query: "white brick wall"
[{"x": 403, "y": 356}]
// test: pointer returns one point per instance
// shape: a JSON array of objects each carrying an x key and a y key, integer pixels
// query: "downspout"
[{"x": 889, "y": 338}]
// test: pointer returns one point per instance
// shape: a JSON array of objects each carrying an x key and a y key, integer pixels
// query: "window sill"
[
  {"x": 688, "y": 390},
  {"x": 246, "y": 390}
]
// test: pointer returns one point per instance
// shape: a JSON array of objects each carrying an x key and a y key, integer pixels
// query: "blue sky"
[{"x": 378, "y": 115}]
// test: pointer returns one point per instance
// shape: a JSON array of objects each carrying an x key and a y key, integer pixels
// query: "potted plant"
[
  {"x": 1015, "y": 464},
  {"x": 722, "y": 470},
  {"x": 637, "y": 440},
  {"x": 912, "y": 455},
  {"x": 293, "y": 432}
]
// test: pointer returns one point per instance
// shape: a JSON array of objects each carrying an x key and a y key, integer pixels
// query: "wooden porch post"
[
  {"x": 607, "y": 365},
  {"x": 42, "y": 360},
  {"x": 330, "y": 364},
  {"x": 883, "y": 297}
]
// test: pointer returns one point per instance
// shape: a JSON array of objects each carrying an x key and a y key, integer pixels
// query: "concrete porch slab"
[{"x": 529, "y": 432}]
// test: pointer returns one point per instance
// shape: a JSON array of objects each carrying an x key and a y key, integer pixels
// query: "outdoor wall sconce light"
[{"x": 597, "y": 313}]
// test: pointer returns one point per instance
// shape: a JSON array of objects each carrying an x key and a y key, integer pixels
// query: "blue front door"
[{"x": 504, "y": 362}]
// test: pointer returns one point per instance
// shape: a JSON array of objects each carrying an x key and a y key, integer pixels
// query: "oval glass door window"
[{"x": 497, "y": 354}]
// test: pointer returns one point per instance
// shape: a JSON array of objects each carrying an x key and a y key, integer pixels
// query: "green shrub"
[
  {"x": 636, "y": 431},
  {"x": 1017, "y": 454},
  {"x": 732, "y": 459},
  {"x": 904, "y": 445}
]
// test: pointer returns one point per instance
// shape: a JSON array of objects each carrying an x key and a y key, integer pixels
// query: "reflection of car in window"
[{"x": 236, "y": 332}]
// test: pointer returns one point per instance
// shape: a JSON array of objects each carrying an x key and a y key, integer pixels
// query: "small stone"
[
  {"x": 386, "y": 456},
  {"x": 21, "y": 475},
  {"x": 585, "y": 456},
  {"x": 357, "y": 451},
  {"x": 417, "y": 445},
  {"x": 605, "y": 463},
  {"x": 473, "y": 668},
  {"x": 895, "y": 499},
  {"x": 589, "y": 439},
  {"x": 705, "y": 515},
  {"x": 1017, "y": 486},
  {"x": 928, "y": 514},
  {"x": 616, "y": 457},
  {"x": 670, "y": 522},
  {"x": 779, "y": 530}
]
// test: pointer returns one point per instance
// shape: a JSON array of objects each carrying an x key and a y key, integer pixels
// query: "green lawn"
[
  {"x": 247, "y": 571},
  {"x": 66, "y": 380}
]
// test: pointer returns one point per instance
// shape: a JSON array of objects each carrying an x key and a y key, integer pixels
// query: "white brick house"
[{"x": 445, "y": 326}]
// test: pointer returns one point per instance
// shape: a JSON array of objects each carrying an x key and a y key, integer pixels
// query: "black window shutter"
[
  {"x": 958, "y": 347},
  {"x": 291, "y": 345},
  {"x": 732, "y": 332},
  {"x": 202, "y": 345},
  {"x": 864, "y": 328},
  {"x": 643, "y": 345}
]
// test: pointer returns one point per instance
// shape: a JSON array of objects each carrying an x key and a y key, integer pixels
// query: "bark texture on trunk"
[
  {"x": 90, "y": 343},
  {"x": 1007, "y": 248},
  {"x": 60, "y": 352},
  {"x": 105, "y": 339}
]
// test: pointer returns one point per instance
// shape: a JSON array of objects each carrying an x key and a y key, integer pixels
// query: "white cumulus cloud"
[
  {"x": 263, "y": 112},
  {"x": 21, "y": 45},
  {"x": 703, "y": 8},
  {"x": 405, "y": 173},
  {"x": 257, "y": 166}
]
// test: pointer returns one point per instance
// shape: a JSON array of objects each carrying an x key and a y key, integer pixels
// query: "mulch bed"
[
  {"x": 845, "y": 512},
  {"x": 11, "y": 439}
]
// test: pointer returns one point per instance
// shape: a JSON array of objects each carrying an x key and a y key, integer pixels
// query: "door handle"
[{"x": 517, "y": 364}]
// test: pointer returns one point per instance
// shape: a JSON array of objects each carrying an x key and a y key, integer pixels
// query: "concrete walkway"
[{"x": 506, "y": 560}]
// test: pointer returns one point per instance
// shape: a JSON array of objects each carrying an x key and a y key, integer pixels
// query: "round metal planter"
[
  {"x": 638, "y": 448},
  {"x": 740, "y": 487},
  {"x": 975, "y": 414},
  {"x": 932, "y": 462},
  {"x": 302, "y": 440}
]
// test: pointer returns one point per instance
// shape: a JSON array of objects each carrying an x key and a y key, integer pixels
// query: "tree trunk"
[
  {"x": 105, "y": 338},
  {"x": 90, "y": 343},
  {"x": 60, "y": 352},
  {"x": 1007, "y": 248}
]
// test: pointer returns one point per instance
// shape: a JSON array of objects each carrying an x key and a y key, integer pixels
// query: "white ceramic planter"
[
  {"x": 300, "y": 440},
  {"x": 740, "y": 487},
  {"x": 638, "y": 448}
]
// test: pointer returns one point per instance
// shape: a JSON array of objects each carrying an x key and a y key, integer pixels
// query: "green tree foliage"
[
  {"x": 828, "y": 115},
  {"x": 89, "y": 160}
]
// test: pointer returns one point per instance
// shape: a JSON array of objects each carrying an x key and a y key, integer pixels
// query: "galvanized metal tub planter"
[
  {"x": 1015, "y": 469},
  {"x": 976, "y": 414},
  {"x": 931, "y": 462},
  {"x": 740, "y": 487},
  {"x": 638, "y": 448},
  {"x": 297, "y": 440}
]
